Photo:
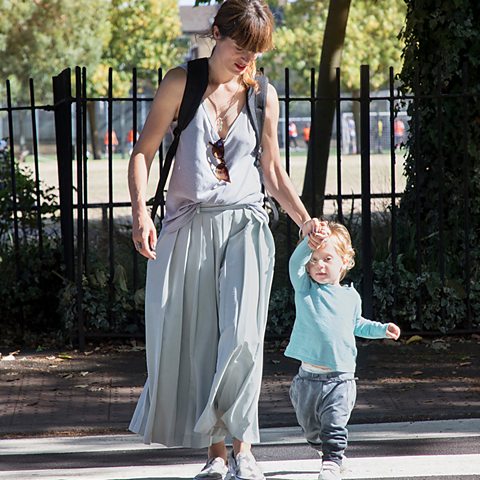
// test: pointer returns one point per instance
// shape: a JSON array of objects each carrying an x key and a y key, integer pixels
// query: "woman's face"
[{"x": 235, "y": 58}]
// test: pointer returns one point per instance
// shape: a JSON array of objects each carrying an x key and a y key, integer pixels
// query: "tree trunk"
[
  {"x": 93, "y": 130},
  {"x": 317, "y": 161}
]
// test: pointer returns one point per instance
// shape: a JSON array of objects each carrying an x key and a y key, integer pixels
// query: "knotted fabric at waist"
[{"x": 220, "y": 208}]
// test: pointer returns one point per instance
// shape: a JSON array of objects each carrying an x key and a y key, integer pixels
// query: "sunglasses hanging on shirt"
[{"x": 220, "y": 170}]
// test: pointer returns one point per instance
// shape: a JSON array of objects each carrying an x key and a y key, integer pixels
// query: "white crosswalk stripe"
[{"x": 358, "y": 468}]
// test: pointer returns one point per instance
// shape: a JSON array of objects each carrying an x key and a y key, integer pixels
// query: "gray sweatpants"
[{"x": 323, "y": 404}]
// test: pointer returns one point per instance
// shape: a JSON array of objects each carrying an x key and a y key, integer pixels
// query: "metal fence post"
[
  {"x": 13, "y": 179},
  {"x": 79, "y": 134},
  {"x": 62, "y": 96},
  {"x": 367, "y": 284}
]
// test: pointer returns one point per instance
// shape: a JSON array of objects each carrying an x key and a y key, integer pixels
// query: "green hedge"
[{"x": 441, "y": 56}]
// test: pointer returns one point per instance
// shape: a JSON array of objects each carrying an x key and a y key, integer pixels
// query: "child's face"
[{"x": 326, "y": 265}]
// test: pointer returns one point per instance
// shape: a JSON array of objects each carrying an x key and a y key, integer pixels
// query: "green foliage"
[
  {"x": 29, "y": 284},
  {"x": 30, "y": 273},
  {"x": 371, "y": 38},
  {"x": 106, "y": 306},
  {"x": 443, "y": 161},
  {"x": 40, "y": 39},
  {"x": 144, "y": 34},
  {"x": 34, "y": 295},
  {"x": 442, "y": 307},
  {"x": 281, "y": 312},
  {"x": 26, "y": 202},
  {"x": 297, "y": 44}
]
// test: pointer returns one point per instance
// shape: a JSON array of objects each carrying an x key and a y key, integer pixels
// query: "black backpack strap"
[
  {"x": 256, "y": 107},
  {"x": 197, "y": 82}
]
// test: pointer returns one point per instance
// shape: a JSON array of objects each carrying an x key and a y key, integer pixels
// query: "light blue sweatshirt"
[{"x": 327, "y": 319}]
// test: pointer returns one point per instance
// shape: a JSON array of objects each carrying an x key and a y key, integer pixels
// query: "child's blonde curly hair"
[{"x": 343, "y": 245}]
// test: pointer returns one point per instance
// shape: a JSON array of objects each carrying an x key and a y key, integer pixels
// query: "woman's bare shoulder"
[
  {"x": 272, "y": 109},
  {"x": 170, "y": 93},
  {"x": 272, "y": 92},
  {"x": 174, "y": 81}
]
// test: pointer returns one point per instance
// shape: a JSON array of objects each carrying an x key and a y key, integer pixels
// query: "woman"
[{"x": 210, "y": 273}]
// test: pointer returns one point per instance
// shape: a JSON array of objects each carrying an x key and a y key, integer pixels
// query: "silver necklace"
[{"x": 220, "y": 119}]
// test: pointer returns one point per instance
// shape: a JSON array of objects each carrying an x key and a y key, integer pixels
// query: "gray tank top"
[{"x": 193, "y": 182}]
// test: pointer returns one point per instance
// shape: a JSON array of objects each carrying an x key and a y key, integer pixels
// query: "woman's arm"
[
  {"x": 163, "y": 112},
  {"x": 277, "y": 182}
]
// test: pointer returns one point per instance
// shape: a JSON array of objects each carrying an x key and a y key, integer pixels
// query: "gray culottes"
[{"x": 206, "y": 308}]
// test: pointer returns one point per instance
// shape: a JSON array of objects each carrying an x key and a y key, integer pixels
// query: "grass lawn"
[{"x": 98, "y": 178}]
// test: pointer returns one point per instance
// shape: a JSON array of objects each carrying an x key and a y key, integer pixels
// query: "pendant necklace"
[{"x": 220, "y": 119}]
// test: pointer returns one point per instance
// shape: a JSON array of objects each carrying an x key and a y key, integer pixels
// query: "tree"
[
  {"x": 42, "y": 37},
  {"x": 145, "y": 34},
  {"x": 298, "y": 41},
  {"x": 330, "y": 59},
  {"x": 369, "y": 37}
]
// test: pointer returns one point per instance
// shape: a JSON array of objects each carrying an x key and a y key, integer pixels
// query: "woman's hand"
[
  {"x": 144, "y": 235},
  {"x": 309, "y": 226},
  {"x": 393, "y": 331}
]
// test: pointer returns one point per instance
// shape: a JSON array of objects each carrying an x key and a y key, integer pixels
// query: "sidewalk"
[
  {"x": 73, "y": 393},
  {"x": 433, "y": 450}
]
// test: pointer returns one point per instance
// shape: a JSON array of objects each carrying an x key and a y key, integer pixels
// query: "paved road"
[{"x": 443, "y": 450}]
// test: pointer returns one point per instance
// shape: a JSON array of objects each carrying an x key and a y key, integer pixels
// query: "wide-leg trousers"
[{"x": 206, "y": 308}]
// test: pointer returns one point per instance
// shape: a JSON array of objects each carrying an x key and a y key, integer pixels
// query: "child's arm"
[
  {"x": 369, "y": 329},
  {"x": 298, "y": 274}
]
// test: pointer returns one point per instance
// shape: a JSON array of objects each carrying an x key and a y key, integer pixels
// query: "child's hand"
[
  {"x": 393, "y": 331},
  {"x": 323, "y": 231}
]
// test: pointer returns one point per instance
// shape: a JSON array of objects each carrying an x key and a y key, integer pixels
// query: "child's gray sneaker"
[
  {"x": 243, "y": 466},
  {"x": 330, "y": 471},
  {"x": 215, "y": 469}
]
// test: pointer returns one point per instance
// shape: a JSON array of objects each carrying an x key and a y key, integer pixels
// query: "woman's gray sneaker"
[
  {"x": 243, "y": 467},
  {"x": 215, "y": 469}
]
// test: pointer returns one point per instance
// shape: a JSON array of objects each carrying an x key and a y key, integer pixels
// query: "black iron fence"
[{"x": 74, "y": 162}]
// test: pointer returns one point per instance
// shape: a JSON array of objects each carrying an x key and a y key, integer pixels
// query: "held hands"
[
  {"x": 144, "y": 235},
  {"x": 317, "y": 232},
  {"x": 393, "y": 331}
]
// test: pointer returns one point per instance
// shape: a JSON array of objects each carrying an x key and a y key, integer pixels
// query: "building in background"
[{"x": 196, "y": 21}]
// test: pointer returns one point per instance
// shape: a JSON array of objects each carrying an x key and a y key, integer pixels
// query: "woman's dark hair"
[{"x": 250, "y": 24}]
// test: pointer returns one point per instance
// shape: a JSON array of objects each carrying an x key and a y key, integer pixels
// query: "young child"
[{"x": 328, "y": 316}]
